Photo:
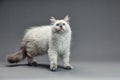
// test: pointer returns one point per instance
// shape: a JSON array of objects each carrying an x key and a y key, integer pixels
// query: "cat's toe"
[
  {"x": 53, "y": 67},
  {"x": 33, "y": 63},
  {"x": 68, "y": 67}
]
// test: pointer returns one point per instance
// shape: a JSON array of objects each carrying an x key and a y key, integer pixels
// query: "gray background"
[
  {"x": 95, "y": 50},
  {"x": 95, "y": 25}
]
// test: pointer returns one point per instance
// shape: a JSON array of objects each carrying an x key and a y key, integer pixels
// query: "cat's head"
[{"x": 60, "y": 25}]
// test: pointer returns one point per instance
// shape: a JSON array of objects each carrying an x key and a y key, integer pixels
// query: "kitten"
[{"x": 54, "y": 39}]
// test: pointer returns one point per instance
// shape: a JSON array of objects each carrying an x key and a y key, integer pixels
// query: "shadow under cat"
[{"x": 43, "y": 66}]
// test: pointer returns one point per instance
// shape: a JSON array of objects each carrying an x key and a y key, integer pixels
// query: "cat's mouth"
[{"x": 60, "y": 29}]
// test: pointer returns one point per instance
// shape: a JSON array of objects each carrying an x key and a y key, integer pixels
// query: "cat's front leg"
[
  {"x": 53, "y": 59},
  {"x": 66, "y": 61}
]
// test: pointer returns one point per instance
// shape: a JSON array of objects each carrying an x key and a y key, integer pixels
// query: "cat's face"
[{"x": 60, "y": 25}]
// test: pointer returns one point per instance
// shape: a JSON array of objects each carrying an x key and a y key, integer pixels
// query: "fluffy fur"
[{"x": 53, "y": 39}]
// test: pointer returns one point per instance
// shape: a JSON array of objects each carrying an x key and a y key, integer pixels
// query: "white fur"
[{"x": 49, "y": 39}]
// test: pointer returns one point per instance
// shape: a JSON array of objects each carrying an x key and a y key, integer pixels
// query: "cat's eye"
[
  {"x": 63, "y": 24},
  {"x": 57, "y": 24}
]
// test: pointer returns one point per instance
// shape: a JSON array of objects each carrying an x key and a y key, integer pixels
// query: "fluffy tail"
[{"x": 18, "y": 56}]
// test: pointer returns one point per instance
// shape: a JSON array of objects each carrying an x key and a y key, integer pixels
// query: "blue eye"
[
  {"x": 57, "y": 24},
  {"x": 63, "y": 24}
]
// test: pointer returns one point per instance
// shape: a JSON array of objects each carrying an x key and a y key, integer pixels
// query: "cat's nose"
[{"x": 61, "y": 27}]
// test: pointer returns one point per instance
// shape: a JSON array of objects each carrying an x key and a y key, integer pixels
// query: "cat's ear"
[
  {"x": 67, "y": 18},
  {"x": 52, "y": 19}
]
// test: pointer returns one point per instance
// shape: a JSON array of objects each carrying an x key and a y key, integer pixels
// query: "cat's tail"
[{"x": 18, "y": 56}]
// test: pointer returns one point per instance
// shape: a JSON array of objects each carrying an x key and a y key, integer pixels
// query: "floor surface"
[{"x": 81, "y": 71}]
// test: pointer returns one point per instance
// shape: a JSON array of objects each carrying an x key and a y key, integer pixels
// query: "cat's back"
[{"x": 38, "y": 32}]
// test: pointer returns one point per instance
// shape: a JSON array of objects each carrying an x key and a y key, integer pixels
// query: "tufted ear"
[
  {"x": 52, "y": 19},
  {"x": 67, "y": 18}
]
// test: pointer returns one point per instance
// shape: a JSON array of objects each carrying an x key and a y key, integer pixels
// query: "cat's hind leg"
[
  {"x": 31, "y": 52},
  {"x": 31, "y": 61}
]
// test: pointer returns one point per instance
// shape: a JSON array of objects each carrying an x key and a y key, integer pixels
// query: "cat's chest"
[
  {"x": 60, "y": 40},
  {"x": 61, "y": 43}
]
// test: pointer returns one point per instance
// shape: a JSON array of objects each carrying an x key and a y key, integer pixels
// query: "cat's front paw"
[
  {"x": 68, "y": 67},
  {"x": 53, "y": 67}
]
